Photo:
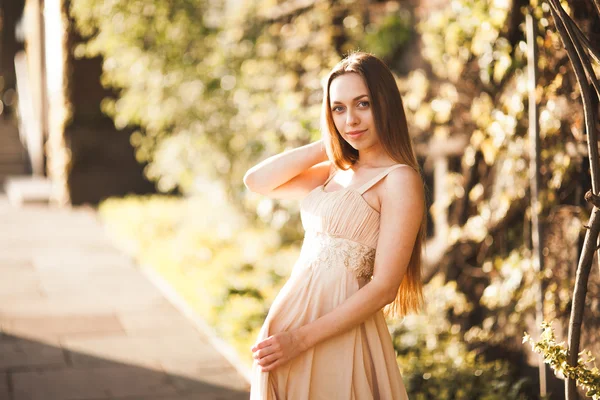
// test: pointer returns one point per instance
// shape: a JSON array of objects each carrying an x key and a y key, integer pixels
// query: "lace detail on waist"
[{"x": 331, "y": 250}]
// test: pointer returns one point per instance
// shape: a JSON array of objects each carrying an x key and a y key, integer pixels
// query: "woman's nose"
[{"x": 351, "y": 118}]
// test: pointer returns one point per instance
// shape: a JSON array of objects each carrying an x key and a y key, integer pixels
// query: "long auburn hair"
[{"x": 392, "y": 130}]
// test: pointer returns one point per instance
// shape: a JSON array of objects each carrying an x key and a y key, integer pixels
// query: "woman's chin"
[{"x": 357, "y": 144}]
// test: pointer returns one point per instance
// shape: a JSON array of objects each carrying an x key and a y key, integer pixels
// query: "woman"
[{"x": 363, "y": 211}]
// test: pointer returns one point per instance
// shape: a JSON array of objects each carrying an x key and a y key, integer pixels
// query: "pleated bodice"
[
  {"x": 341, "y": 226},
  {"x": 343, "y": 213}
]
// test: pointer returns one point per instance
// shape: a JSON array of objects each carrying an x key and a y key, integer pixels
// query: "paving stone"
[
  {"x": 79, "y": 303},
  {"x": 76, "y": 260},
  {"x": 20, "y": 353},
  {"x": 155, "y": 321},
  {"x": 207, "y": 392},
  {"x": 4, "y": 388},
  {"x": 12, "y": 303},
  {"x": 49, "y": 340},
  {"x": 13, "y": 274},
  {"x": 39, "y": 337},
  {"x": 101, "y": 286},
  {"x": 91, "y": 383},
  {"x": 149, "y": 351},
  {"x": 62, "y": 326},
  {"x": 19, "y": 281},
  {"x": 18, "y": 276},
  {"x": 16, "y": 263},
  {"x": 52, "y": 247},
  {"x": 195, "y": 375},
  {"x": 180, "y": 347},
  {"x": 131, "y": 381},
  {"x": 93, "y": 352}
]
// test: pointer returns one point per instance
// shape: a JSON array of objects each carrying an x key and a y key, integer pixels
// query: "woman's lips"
[{"x": 355, "y": 134}]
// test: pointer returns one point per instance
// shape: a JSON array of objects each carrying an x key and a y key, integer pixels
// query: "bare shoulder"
[{"x": 403, "y": 186}]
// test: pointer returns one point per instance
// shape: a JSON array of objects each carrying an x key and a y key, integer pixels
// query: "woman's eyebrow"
[{"x": 354, "y": 99}]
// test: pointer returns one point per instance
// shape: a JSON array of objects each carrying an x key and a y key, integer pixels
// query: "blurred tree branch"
[
  {"x": 535, "y": 163},
  {"x": 286, "y": 11},
  {"x": 571, "y": 37}
]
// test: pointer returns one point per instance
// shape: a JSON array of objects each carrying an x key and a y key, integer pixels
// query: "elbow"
[
  {"x": 384, "y": 292},
  {"x": 254, "y": 185},
  {"x": 247, "y": 180},
  {"x": 250, "y": 183},
  {"x": 389, "y": 297},
  {"x": 389, "y": 293}
]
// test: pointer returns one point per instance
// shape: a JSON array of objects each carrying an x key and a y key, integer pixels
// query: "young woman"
[{"x": 363, "y": 211}]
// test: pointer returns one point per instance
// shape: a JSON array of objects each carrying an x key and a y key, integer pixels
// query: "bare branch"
[
  {"x": 570, "y": 41},
  {"x": 534, "y": 182},
  {"x": 575, "y": 33},
  {"x": 592, "y": 198},
  {"x": 586, "y": 42},
  {"x": 581, "y": 64}
]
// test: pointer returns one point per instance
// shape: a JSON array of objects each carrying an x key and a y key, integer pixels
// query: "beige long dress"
[{"x": 336, "y": 260}]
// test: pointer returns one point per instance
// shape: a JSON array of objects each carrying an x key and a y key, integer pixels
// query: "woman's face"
[{"x": 351, "y": 110}]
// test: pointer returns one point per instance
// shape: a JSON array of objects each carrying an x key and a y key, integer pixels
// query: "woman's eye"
[
  {"x": 363, "y": 104},
  {"x": 337, "y": 109}
]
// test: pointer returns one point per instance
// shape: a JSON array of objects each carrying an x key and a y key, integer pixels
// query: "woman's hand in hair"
[{"x": 277, "y": 349}]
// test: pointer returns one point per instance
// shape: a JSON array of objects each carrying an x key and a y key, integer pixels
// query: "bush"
[{"x": 435, "y": 360}]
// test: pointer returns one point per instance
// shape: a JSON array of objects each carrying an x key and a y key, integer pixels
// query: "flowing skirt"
[{"x": 357, "y": 364}]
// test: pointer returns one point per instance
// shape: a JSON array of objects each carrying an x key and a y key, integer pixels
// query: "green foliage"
[
  {"x": 151, "y": 51},
  {"x": 555, "y": 354},
  {"x": 213, "y": 89},
  {"x": 435, "y": 361},
  {"x": 479, "y": 86},
  {"x": 472, "y": 30},
  {"x": 383, "y": 39}
]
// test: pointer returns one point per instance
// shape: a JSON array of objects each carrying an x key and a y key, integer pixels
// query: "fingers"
[
  {"x": 258, "y": 346},
  {"x": 263, "y": 352},
  {"x": 269, "y": 353},
  {"x": 261, "y": 345},
  {"x": 272, "y": 366},
  {"x": 267, "y": 360}
]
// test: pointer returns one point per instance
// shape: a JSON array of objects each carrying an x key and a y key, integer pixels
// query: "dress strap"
[
  {"x": 330, "y": 176},
  {"x": 378, "y": 177}
]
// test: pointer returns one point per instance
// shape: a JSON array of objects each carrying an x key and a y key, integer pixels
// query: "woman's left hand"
[{"x": 277, "y": 350}]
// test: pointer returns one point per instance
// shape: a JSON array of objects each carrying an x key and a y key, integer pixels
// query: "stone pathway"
[{"x": 78, "y": 321}]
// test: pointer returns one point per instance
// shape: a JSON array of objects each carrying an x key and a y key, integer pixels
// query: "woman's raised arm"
[{"x": 291, "y": 174}]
